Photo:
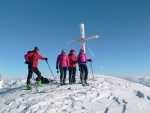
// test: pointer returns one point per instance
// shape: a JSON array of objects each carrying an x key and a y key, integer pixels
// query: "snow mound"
[{"x": 104, "y": 95}]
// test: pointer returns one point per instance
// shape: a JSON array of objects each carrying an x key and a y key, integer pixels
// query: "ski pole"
[
  {"x": 50, "y": 68},
  {"x": 92, "y": 71},
  {"x": 35, "y": 82}
]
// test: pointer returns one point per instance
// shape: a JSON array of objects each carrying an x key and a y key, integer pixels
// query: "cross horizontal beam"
[{"x": 83, "y": 39}]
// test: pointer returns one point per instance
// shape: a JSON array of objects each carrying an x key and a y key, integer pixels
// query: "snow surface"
[{"x": 108, "y": 95}]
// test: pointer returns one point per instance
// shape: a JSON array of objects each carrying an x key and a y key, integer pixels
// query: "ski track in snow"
[{"x": 109, "y": 95}]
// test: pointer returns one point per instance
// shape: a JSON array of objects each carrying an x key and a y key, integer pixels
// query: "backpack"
[{"x": 43, "y": 80}]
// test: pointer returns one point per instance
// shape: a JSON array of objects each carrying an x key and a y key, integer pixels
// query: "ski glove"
[
  {"x": 56, "y": 67},
  {"x": 46, "y": 59},
  {"x": 29, "y": 63},
  {"x": 57, "y": 71},
  {"x": 74, "y": 62},
  {"x": 90, "y": 60}
]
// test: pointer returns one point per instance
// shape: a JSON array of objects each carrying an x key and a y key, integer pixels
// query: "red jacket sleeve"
[{"x": 41, "y": 57}]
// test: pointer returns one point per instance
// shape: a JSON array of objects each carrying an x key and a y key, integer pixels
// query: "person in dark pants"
[
  {"x": 72, "y": 67},
  {"x": 62, "y": 62},
  {"x": 32, "y": 60},
  {"x": 82, "y": 60}
]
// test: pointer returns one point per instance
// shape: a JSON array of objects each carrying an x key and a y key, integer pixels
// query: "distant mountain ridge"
[
  {"x": 2, "y": 82},
  {"x": 139, "y": 79}
]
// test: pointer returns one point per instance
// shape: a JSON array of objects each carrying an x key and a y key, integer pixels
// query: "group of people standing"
[
  {"x": 68, "y": 62},
  {"x": 64, "y": 62}
]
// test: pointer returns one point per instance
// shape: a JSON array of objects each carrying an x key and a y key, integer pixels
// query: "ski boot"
[
  {"x": 70, "y": 82},
  {"x": 61, "y": 83},
  {"x": 81, "y": 82},
  {"x": 29, "y": 86},
  {"x": 85, "y": 83},
  {"x": 74, "y": 82},
  {"x": 64, "y": 82},
  {"x": 39, "y": 84}
]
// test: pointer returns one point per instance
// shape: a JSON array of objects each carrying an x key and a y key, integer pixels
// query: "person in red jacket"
[
  {"x": 62, "y": 62},
  {"x": 32, "y": 60},
  {"x": 72, "y": 67}
]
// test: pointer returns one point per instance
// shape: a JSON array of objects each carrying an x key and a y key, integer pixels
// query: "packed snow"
[{"x": 104, "y": 95}]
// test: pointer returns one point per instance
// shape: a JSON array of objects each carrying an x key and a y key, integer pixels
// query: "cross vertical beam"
[{"x": 82, "y": 36}]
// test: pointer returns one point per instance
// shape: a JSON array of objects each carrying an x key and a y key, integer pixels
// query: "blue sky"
[{"x": 123, "y": 27}]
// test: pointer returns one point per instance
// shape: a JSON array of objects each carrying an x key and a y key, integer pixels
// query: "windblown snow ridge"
[{"x": 109, "y": 94}]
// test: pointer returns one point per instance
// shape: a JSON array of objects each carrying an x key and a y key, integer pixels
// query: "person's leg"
[
  {"x": 81, "y": 73},
  {"x": 74, "y": 75},
  {"x": 70, "y": 75},
  {"x": 86, "y": 73},
  {"x": 38, "y": 73},
  {"x": 30, "y": 71},
  {"x": 61, "y": 75},
  {"x": 65, "y": 73}
]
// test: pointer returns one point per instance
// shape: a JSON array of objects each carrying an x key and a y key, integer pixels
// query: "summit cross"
[{"x": 83, "y": 40}]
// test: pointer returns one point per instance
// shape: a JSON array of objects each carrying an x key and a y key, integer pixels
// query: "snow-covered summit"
[{"x": 105, "y": 95}]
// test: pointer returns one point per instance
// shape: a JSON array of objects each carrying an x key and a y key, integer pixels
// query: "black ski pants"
[
  {"x": 72, "y": 74},
  {"x": 30, "y": 72},
  {"x": 83, "y": 72},
  {"x": 63, "y": 73}
]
